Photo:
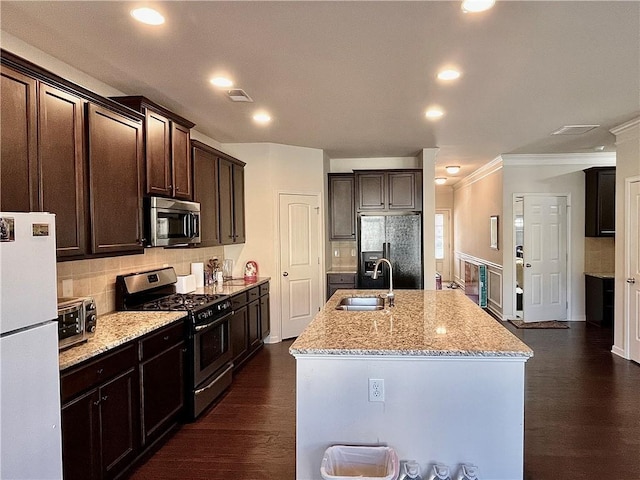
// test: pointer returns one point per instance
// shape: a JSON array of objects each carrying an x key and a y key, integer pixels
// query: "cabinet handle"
[
  {"x": 165, "y": 338},
  {"x": 99, "y": 371},
  {"x": 104, "y": 399},
  {"x": 96, "y": 403}
]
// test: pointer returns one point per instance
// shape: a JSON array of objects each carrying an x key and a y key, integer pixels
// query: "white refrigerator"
[{"x": 30, "y": 426}]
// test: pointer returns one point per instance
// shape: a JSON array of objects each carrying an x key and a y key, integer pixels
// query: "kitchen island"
[{"x": 453, "y": 383}]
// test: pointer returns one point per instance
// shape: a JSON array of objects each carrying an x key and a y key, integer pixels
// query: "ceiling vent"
[
  {"x": 574, "y": 129},
  {"x": 239, "y": 95}
]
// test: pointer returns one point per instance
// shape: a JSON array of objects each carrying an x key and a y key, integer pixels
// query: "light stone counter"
[
  {"x": 117, "y": 328},
  {"x": 422, "y": 323}
]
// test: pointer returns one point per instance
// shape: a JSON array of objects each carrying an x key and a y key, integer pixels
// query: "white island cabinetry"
[{"x": 453, "y": 384}]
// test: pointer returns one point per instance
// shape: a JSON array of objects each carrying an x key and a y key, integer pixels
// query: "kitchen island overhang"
[{"x": 453, "y": 383}]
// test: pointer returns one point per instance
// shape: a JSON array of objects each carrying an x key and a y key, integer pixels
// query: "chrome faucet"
[{"x": 390, "y": 295}]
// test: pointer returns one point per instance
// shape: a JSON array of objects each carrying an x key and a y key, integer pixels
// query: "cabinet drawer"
[
  {"x": 238, "y": 301},
  {"x": 161, "y": 340},
  {"x": 253, "y": 294},
  {"x": 346, "y": 278},
  {"x": 87, "y": 376},
  {"x": 264, "y": 289}
]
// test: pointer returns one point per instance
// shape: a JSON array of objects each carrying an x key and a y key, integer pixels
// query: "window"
[{"x": 439, "y": 236}]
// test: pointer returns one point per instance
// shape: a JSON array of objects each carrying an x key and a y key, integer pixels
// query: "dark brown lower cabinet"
[
  {"x": 254, "y": 325},
  {"x": 100, "y": 427},
  {"x": 239, "y": 334},
  {"x": 265, "y": 318},
  {"x": 118, "y": 405},
  {"x": 162, "y": 381}
]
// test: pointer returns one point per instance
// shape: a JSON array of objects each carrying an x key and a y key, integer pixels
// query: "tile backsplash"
[
  {"x": 343, "y": 254},
  {"x": 599, "y": 255},
  {"x": 96, "y": 277}
]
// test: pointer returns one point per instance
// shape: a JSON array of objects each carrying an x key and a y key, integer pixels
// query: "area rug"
[{"x": 547, "y": 324}]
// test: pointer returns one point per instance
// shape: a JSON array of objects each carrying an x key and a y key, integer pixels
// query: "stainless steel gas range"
[{"x": 209, "y": 357}]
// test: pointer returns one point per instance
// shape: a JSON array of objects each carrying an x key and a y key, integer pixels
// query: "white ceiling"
[{"x": 355, "y": 78}]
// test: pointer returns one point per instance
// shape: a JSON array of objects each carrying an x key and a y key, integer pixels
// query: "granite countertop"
[
  {"x": 600, "y": 275},
  {"x": 423, "y": 323},
  {"x": 117, "y": 328},
  {"x": 353, "y": 269}
]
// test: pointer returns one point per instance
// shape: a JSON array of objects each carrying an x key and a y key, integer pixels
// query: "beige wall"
[
  {"x": 474, "y": 202},
  {"x": 628, "y": 166}
]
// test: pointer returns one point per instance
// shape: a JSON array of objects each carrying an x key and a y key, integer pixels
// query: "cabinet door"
[
  {"x": 265, "y": 316},
  {"x": 181, "y": 162},
  {"x": 158, "y": 153},
  {"x": 162, "y": 383},
  {"x": 342, "y": 207},
  {"x": 238, "y": 204},
  {"x": 119, "y": 422},
  {"x": 403, "y": 191},
  {"x": 238, "y": 334},
  {"x": 607, "y": 203},
  {"x": 81, "y": 437},
  {"x": 225, "y": 197},
  {"x": 18, "y": 146},
  {"x": 254, "y": 324},
  {"x": 371, "y": 191},
  {"x": 61, "y": 154},
  {"x": 115, "y": 152},
  {"x": 205, "y": 192}
]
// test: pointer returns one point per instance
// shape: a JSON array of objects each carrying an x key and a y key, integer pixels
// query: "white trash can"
[{"x": 346, "y": 462}]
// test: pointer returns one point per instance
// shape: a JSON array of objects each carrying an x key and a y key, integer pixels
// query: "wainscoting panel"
[{"x": 494, "y": 279}]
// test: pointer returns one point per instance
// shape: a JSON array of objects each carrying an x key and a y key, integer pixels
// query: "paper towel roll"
[{"x": 197, "y": 269}]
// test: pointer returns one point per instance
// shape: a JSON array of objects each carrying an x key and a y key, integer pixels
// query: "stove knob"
[{"x": 92, "y": 329}]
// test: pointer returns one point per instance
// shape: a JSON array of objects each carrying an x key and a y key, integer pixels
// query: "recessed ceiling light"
[
  {"x": 440, "y": 180},
  {"x": 473, "y": 6},
  {"x": 262, "y": 117},
  {"x": 148, "y": 16},
  {"x": 448, "y": 74},
  {"x": 452, "y": 169},
  {"x": 222, "y": 82},
  {"x": 434, "y": 113}
]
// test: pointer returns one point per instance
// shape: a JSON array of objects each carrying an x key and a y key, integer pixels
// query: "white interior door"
[
  {"x": 633, "y": 275},
  {"x": 443, "y": 244},
  {"x": 299, "y": 261},
  {"x": 545, "y": 258}
]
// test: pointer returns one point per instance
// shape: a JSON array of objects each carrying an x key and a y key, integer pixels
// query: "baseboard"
[{"x": 619, "y": 351}]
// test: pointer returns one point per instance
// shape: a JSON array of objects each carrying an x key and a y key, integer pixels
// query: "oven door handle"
[
  {"x": 200, "y": 328},
  {"x": 224, "y": 372}
]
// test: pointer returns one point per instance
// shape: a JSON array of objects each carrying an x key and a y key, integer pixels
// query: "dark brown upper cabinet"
[
  {"x": 388, "y": 190},
  {"x": 600, "y": 202},
  {"x": 72, "y": 152},
  {"x": 18, "y": 129},
  {"x": 115, "y": 157},
  {"x": 231, "y": 198},
  {"x": 205, "y": 192},
  {"x": 342, "y": 220},
  {"x": 167, "y": 149}
]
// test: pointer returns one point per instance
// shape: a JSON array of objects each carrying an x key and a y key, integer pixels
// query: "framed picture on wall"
[{"x": 493, "y": 224}]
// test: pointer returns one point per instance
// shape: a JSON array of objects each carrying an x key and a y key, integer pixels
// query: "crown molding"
[
  {"x": 555, "y": 159},
  {"x": 484, "y": 171},
  {"x": 625, "y": 126}
]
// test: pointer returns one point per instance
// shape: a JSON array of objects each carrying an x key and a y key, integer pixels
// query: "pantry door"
[
  {"x": 633, "y": 269},
  {"x": 299, "y": 228},
  {"x": 545, "y": 258}
]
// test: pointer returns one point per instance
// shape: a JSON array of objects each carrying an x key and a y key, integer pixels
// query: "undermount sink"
[{"x": 361, "y": 303}]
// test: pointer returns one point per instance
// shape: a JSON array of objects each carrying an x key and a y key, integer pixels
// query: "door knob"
[
  {"x": 631, "y": 280},
  {"x": 285, "y": 274},
  {"x": 528, "y": 265}
]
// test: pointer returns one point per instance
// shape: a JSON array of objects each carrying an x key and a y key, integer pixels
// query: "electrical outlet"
[{"x": 376, "y": 390}]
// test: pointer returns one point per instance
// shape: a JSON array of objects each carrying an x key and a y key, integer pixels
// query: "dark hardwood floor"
[{"x": 582, "y": 416}]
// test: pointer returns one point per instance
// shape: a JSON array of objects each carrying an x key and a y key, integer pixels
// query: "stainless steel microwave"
[{"x": 172, "y": 222}]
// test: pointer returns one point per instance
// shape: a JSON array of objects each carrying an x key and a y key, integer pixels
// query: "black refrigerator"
[{"x": 396, "y": 237}]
